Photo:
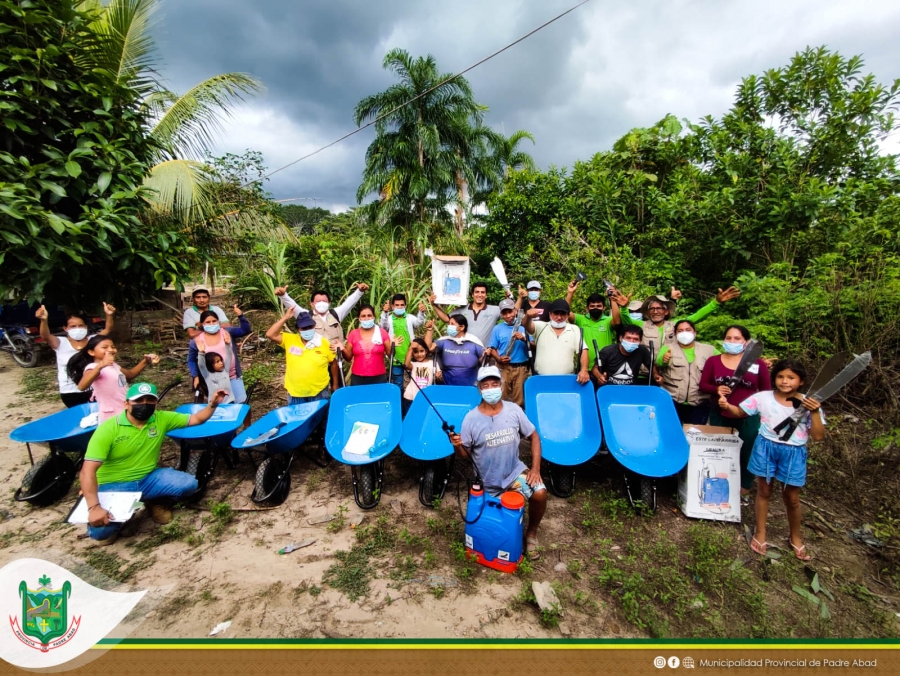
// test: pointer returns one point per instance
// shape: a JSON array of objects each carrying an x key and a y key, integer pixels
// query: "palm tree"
[
  {"x": 184, "y": 127},
  {"x": 420, "y": 149},
  {"x": 510, "y": 157}
]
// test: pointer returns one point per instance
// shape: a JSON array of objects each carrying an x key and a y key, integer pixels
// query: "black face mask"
[
  {"x": 142, "y": 412},
  {"x": 595, "y": 313}
]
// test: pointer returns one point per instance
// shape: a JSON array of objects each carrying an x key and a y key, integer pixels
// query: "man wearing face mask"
[
  {"x": 532, "y": 295},
  {"x": 596, "y": 326},
  {"x": 558, "y": 345},
  {"x": 122, "y": 456},
  {"x": 310, "y": 362},
  {"x": 191, "y": 318},
  {"x": 620, "y": 364},
  {"x": 658, "y": 314},
  {"x": 328, "y": 320},
  {"x": 401, "y": 327},
  {"x": 512, "y": 358},
  {"x": 490, "y": 436}
]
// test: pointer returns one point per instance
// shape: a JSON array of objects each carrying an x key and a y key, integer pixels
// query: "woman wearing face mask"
[
  {"x": 217, "y": 339},
  {"x": 66, "y": 347},
  {"x": 366, "y": 347},
  {"x": 95, "y": 367},
  {"x": 459, "y": 353},
  {"x": 713, "y": 382},
  {"x": 681, "y": 365}
]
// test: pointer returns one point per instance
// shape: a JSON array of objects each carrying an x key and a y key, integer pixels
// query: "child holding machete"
[{"x": 775, "y": 459}]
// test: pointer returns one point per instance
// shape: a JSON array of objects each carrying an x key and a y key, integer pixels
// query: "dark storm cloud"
[{"x": 577, "y": 85}]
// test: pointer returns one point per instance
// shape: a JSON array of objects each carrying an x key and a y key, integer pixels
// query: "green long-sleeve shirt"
[{"x": 699, "y": 315}]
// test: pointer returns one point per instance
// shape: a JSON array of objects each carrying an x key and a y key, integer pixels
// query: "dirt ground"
[{"x": 616, "y": 573}]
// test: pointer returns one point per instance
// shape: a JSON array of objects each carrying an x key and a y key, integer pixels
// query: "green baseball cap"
[{"x": 138, "y": 390}]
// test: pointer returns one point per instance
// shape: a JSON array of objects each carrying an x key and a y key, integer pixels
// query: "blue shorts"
[
  {"x": 520, "y": 485},
  {"x": 785, "y": 462}
]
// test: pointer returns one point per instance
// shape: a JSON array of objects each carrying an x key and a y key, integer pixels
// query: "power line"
[{"x": 415, "y": 98}]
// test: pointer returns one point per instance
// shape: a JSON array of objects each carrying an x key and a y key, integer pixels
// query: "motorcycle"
[{"x": 21, "y": 345}]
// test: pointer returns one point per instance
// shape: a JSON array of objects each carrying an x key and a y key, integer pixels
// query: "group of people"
[{"x": 493, "y": 347}]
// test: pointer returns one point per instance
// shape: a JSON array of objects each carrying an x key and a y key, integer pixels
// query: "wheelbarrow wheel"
[
  {"x": 433, "y": 482},
  {"x": 562, "y": 480},
  {"x": 201, "y": 466},
  {"x": 48, "y": 481},
  {"x": 273, "y": 481},
  {"x": 366, "y": 485},
  {"x": 648, "y": 492}
]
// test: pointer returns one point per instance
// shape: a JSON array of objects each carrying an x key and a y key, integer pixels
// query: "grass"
[
  {"x": 354, "y": 570},
  {"x": 38, "y": 384},
  {"x": 336, "y": 525}
]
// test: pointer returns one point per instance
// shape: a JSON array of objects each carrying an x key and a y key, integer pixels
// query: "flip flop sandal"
[
  {"x": 800, "y": 552},
  {"x": 531, "y": 546},
  {"x": 758, "y": 547}
]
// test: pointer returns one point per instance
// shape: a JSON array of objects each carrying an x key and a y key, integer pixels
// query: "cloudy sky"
[{"x": 578, "y": 85}]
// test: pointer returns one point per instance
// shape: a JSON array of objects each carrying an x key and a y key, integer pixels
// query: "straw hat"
[{"x": 670, "y": 304}]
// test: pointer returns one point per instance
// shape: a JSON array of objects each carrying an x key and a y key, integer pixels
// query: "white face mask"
[
  {"x": 322, "y": 306},
  {"x": 78, "y": 333},
  {"x": 557, "y": 325},
  {"x": 685, "y": 337}
]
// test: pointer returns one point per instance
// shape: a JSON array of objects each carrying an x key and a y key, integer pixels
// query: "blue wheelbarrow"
[
  {"x": 565, "y": 415},
  {"x": 51, "y": 477},
  {"x": 279, "y": 434},
  {"x": 644, "y": 434},
  {"x": 358, "y": 409},
  {"x": 425, "y": 439},
  {"x": 203, "y": 445}
]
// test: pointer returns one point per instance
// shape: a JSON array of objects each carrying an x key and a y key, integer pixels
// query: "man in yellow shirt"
[{"x": 311, "y": 372}]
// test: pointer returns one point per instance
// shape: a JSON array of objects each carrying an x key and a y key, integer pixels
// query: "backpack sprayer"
[{"x": 494, "y": 526}]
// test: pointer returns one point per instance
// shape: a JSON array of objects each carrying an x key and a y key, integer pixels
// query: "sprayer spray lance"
[{"x": 445, "y": 426}]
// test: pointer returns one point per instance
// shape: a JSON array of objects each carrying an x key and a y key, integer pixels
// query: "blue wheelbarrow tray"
[
  {"x": 225, "y": 420},
  {"x": 294, "y": 424},
  {"x": 423, "y": 435},
  {"x": 565, "y": 415},
  {"x": 642, "y": 429},
  {"x": 374, "y": 404},
  {"x": 61, "y": 429}
]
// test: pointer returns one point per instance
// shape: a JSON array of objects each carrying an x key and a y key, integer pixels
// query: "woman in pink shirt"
[
  {"x": 95, "y": 366},
  {"x": 716, "y": 372},
  {"x": 366, "y": 347}
]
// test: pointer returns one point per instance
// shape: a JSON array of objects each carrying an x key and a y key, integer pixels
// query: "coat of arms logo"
[{"x": 45, "y": 615}]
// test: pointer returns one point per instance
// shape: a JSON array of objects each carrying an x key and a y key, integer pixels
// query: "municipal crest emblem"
[{"x": 45, "y": 612}]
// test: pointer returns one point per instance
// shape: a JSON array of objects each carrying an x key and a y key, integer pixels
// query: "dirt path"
[{"x": 237, "y": 575}]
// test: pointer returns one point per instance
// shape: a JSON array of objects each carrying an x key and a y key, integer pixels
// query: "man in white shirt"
[
  {"x": 328, "y": 319},
  {"x": 558, "y": 345}
]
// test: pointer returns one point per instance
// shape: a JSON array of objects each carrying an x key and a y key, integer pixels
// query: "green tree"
[{"x": 73, "y": 154}]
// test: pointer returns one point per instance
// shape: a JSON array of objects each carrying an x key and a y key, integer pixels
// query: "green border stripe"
[{"x": 493, "y": 644}]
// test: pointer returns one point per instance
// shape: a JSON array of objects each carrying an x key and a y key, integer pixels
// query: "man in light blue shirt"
[{"x": 512, "y": 359}]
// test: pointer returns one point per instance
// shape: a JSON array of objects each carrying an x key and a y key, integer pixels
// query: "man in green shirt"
[
  {"x": 122, "y": 456},
  {"x": 658, "y": 312},
  {"x": 595, "y": 325}
]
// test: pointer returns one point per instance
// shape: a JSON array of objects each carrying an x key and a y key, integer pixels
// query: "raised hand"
[
  {"x": 237, "y": 310},
  {"x": 281, "y": 290},
  {"x": 522, "y": 291},
  {"x": 620, "y": 298},
  {"x": 728, "y": 294},
  {"x": 421, "y": 307},
  {"x": 151, "y": 359},
  {"x": 431, "y": 298},
  {"x": 109, "y": 310},
  {"x": 675, "y": 294},
  {"x": 218, "y": 397},
  {"x": 41, "y": 313},
  {"x": 287, "y": 315},
  {"x": 573, "y": 286},
  {"x": 386, "y": 308},
  {"x": 362, "y": 286},
  {"x": 108, "y": 360},
  {"x": 429, "y": 325}
]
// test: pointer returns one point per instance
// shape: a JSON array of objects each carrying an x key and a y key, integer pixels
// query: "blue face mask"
[
  {"x": 491, "y": 395},
  {"x": 452, "y": 330},
  {"x": 636, "y": 316},
  {"x": 534, "y": 295},
  {"x": 630, "y": 347},
  {"x": 211, "y": 328},
  {"x": 733, "y": 348},
  {"x": 399, "y": 311},
  {"x": 367, "y": 323},
  {"x": 308, "y": 335}
]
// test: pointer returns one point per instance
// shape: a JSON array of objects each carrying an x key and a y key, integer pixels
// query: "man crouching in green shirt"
[{"x": 122, "y": 456}]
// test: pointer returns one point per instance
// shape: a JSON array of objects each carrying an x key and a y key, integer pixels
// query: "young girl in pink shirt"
[{"x": 95, "y": 366}]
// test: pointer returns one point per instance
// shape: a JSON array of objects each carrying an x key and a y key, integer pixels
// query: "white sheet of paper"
[
  {"x": 362, "y": 438},
  {"x": 121, "y": 504}
]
